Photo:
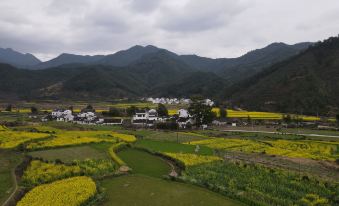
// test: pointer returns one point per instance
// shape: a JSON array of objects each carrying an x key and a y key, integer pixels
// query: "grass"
[
  {"x": 171, "y": 136},
  {"x": 69, "y": 154},
  {"x": 144, "y": 163},
  {"x": 172, "y": 147},
  {"x": 148, "y": 191},
  {"x": 8, "y": 161}
]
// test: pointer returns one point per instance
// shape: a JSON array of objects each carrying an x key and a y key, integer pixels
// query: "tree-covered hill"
[{"x": 306, "y": 83}]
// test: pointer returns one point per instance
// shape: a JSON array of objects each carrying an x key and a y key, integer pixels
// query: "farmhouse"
[
  {"x": 145, "y": 117},
  {"x": 62, "y": 115},
  {"x": 184, "y": 120}
]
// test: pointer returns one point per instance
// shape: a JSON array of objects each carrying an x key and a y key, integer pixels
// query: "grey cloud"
[
  {"x": 201, "y": 15},
  {"x": 214, "y": 28},
  {"x": 144, "y": 5}
]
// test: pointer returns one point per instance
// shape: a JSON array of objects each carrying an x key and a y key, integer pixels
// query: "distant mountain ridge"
[
  {"x": 18, "y": 59},
  {"x": 301, "y": 78},
  {"x": 67, "y": 59},
  {"x": 255, "y": 60}
]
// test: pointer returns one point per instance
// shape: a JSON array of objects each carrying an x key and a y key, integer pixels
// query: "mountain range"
[{"x": 278, "y": 77}]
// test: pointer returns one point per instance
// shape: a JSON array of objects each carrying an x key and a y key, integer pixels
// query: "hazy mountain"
[
  {"x": 126, "y": 57},
  {"x": 306, "y": 83},
  {"x": 18, "y": 59},
  {"x": 235, "y": 69},
  {"x": 68, "y": 59}
]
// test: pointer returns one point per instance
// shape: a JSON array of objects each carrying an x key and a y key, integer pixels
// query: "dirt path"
[
  {"x": 14, "y": 190},
  {"x": 286, "y": 133}
]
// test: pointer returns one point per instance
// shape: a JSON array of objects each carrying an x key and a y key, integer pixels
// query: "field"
[
  {"x": 11, "y": 139},
  {"x": 122, "y": 166},
  {"x": 146, "y": 191},
  {"x": 72, "y": 191},
  {"x": 144, "y": 163},
  {"x": 320, "y": 150},
  {"x": 172, "y": 147},
  {"x": 168, "y": 136},
  {"x": 256, "y": 185},
  {"x": 70, "y": 154}
]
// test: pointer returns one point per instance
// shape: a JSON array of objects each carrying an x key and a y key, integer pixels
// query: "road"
[{"x": 288, "y": 133}]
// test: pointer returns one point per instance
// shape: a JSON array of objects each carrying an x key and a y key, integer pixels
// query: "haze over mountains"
[{"x": 256, "y": 80}]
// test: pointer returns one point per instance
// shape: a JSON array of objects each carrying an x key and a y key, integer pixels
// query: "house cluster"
[
  {"x": 150, "y": 117},
  {"x": 164, "y": 100},
  {"x": 84, "y": 117}
]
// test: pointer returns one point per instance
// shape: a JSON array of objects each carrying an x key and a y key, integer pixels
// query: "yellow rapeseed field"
[
  {"x": 11, "y": 139},
  {"x": 304, "y": 149},
  {"x": 125, "y": 137},
  {"x": 71, "y": 192},
  {"x": 66, "y": 138},
  {"x": 192, "y": 159},
  {"x": 40, "y": 172}
]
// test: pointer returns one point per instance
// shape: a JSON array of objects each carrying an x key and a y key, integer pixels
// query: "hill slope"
[
  {"x": 306, "y": 83},
  {"x": 67, "y": 59},
  {"x": 235, "y": 69},
  {"x": 15, "y": 58}
]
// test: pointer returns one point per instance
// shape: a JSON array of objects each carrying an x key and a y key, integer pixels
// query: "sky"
[{"x": 211, "y": 28}]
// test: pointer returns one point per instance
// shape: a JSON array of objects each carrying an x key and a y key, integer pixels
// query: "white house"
[
  {"x": 208, "y": 102},
  {"x": 62, "y": 115},
  {"x": 147, "y": 117},
  {"x": 183, "y": 113}
]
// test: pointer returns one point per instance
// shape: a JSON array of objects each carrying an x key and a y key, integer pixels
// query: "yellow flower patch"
[
  {"x": 192, "y": 159},
  {"x": 71, "y": 192}
]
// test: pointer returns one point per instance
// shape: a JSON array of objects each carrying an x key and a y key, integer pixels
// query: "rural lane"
[{"x": 288, "y": 133}]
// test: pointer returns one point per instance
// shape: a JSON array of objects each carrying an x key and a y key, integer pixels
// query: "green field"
[
  {"x": 144, "y": 163},
  {"x": 148, "y": 191},
  {"x": 69, "y": 154},
  {"x": 172, "y": 147},
  {"x": 8, "y": 161},
  {"x": 169, "y": 136},
  {"x": 258, "y": 185}
]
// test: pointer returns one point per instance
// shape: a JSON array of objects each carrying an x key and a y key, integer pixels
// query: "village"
[{"x": 140, "y": 118}]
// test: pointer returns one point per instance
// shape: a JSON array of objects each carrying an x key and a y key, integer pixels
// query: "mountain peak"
[{"x": 16, "y": 58}]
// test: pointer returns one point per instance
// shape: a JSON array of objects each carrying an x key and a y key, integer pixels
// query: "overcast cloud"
[{"x": 212, "y": 28}]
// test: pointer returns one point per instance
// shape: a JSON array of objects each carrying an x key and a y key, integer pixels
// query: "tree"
[
  {"x": 287, "y": 119},
  {"x": 223, "y": 112},
  {"x": 201, "y": 112},
  {"x": 131, "y": 110},
  {"x": 337, "y": 118},
  {"x": 112, "y": 112},
  {"x": 8, "y": 108},
  {"x": 89, "y": 108},
  {"x": 162, "y": 110},
  {"x": 34, "y": 110}
]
